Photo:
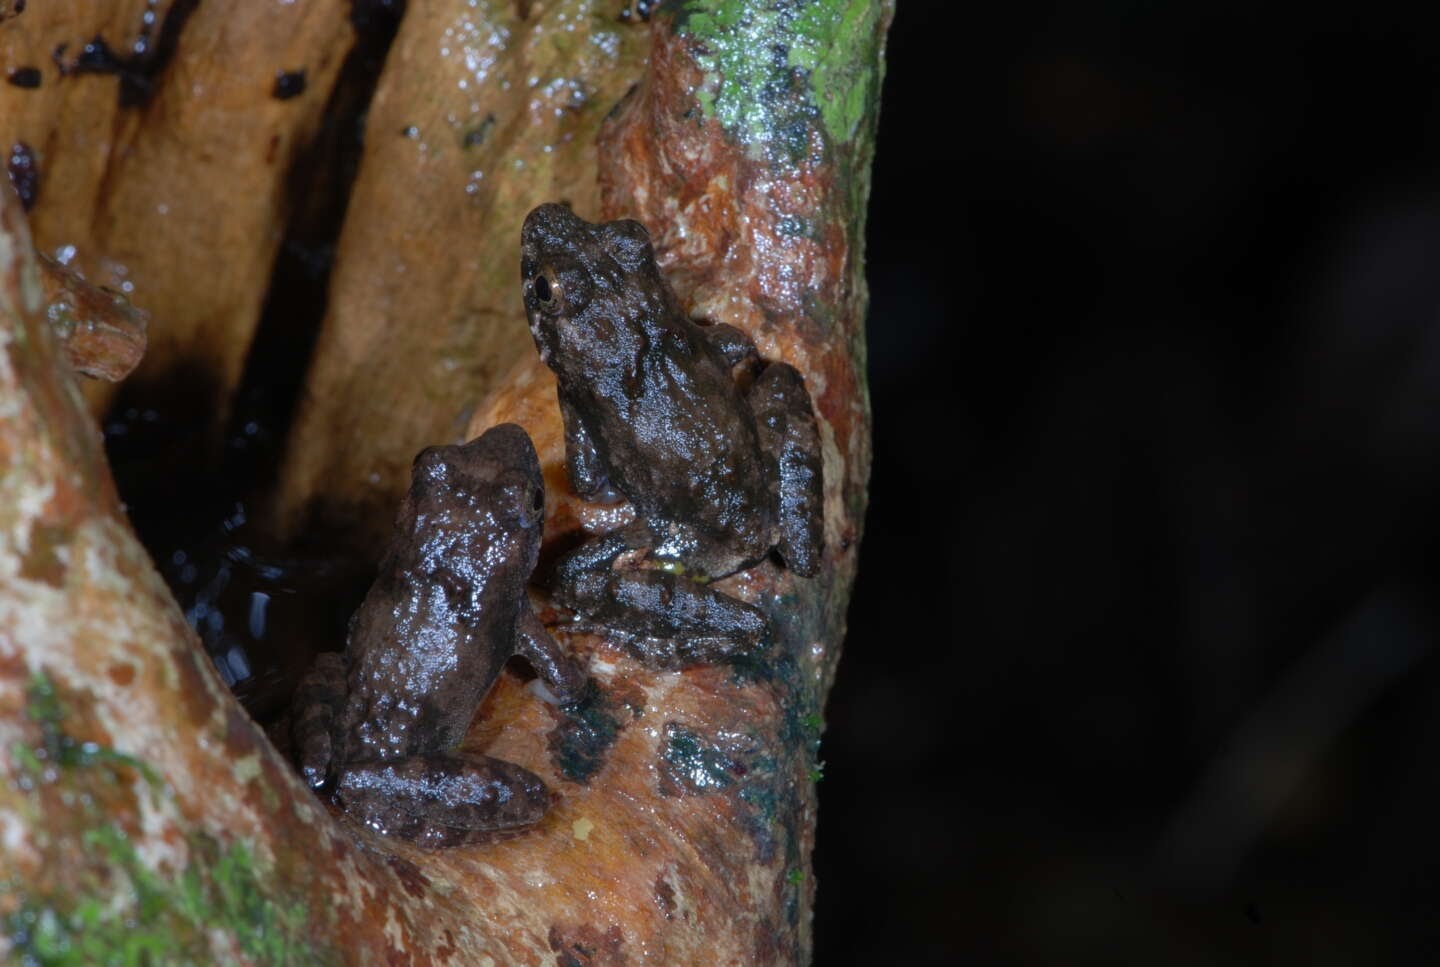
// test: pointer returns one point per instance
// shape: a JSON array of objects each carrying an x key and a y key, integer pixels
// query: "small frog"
[
  {"x": 376, "y": 727},
  {"x": 716, "y": 450}
]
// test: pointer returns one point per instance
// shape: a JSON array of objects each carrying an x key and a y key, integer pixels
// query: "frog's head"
[
  {"x": 581, "y": 279},
  {"x": 481, "y": 503}
]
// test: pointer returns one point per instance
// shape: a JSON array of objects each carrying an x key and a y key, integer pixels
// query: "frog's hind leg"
[
  {"x": 446, "y": 800},
  {"x": 669, "y": 619},
  {"x": 791, "y": 444},
  {"x": 315, "y": 710}
]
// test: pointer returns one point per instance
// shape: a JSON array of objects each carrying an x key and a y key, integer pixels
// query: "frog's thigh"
[
  {"x": 687, "y": 623},
  {"x": 685, "y": 652},
  {"x": 442, "y": 800}
]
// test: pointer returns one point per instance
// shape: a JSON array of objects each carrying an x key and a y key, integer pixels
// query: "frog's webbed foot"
[
  {"x": 668, "y": 619},
  {"x": 788, "y": 436},
  {"x": 315, "y": 710},
  {"x": 442, "y": 800}
]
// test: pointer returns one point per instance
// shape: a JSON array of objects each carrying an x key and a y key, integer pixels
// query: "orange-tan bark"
[
  {"x": 686, "y": 809},
  {"x": 482, "y": 112},
  {"x": 172, "y": 190},
  {"x": 103, "y": 334}
]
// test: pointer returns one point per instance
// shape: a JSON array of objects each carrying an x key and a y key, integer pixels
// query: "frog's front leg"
[
  {"x": 785, "y": 422},
  {"x": 587, "y": 473},
  {"x": 559, "y": 672},
  {"x": 442, "y": 800},
  {"x": 670, "y": 620}
]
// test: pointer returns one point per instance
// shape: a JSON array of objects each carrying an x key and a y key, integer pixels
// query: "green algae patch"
[
  {"x": 92, "y": 898},
  {"x": 58, "y": 752},
  {"x": 774, "y": 66},
  {"x": 581, "y": 741},
  {"x": 801, "y": 722},
  {"x": 696, "y": 764},
  {"x": 737, "y": 765},
  {"x": 838, "y": 44},
  {"x": 134, "y": 915}
]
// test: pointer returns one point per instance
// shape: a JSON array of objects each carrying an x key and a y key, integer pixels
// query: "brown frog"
[
  {"x": 376, "y": 727},
  {"x": 716, "y": 449}
]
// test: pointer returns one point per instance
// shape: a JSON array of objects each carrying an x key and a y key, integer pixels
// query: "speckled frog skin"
[
  {"x": 376, "y": 727},
  {"x": 717, "y": 450}
]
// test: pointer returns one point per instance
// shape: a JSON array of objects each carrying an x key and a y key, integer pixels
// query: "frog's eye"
[{"x": 546, "y": 286}]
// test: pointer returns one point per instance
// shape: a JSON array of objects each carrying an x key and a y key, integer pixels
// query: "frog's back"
[
  {"x": 688, "y": 452},
  {"x": 439, "y": 622}
]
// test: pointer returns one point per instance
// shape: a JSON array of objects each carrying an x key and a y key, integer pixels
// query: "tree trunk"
[{"x": 142, "y": 810}]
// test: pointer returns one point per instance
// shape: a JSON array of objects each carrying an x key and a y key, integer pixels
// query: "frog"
[
  {"x": 717, "y": 449},
  {"x": 375, "y": 728}
]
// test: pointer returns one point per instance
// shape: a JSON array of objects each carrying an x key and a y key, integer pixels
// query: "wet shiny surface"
[
  {"x": 651, "y": 407},
  {"x": 447, "y": 610}
]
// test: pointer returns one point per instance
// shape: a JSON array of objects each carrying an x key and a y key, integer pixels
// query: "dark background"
[{"x": 1141, "y": 656}]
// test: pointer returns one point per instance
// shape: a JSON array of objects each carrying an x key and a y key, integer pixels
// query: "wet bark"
[
  {"x": 103, "y": 334},
  {"x": 163, "y": 155},
  {"x": 423, "y": 298},
  {"x": 141, "y": 808}
]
